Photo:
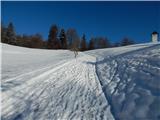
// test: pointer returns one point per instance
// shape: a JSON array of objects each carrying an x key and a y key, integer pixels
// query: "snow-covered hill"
[{"x": 116, "y": 83}]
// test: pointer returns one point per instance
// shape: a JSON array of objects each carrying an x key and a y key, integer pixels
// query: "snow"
[
  {"x": 18, "y": 60},
  {"x": 67, "y": 89},
  {"x": 105, "y": 84},
  {"x": 130, "y": 80},
  {"x": 118, "y": 50}
]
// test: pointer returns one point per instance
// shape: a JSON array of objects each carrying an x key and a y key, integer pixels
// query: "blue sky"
[{"x": 114, "y": 20}]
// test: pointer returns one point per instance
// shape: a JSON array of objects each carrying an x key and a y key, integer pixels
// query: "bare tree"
[
  {"x": 53, "y": 42},
  {"x": 73, "y": 39},
  {"x": 91, "y": 45},
  {"x": 83, "y": 43},
  {"x": 126, "y": 41}
]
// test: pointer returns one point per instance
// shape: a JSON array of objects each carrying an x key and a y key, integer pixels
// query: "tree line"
[{"x": 57, "y": 39}]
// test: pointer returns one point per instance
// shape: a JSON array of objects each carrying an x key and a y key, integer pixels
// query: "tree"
[
  {"x": 19, "y": 41},
  {"x": 117, "y": 44},
  {"x": 91, "y": 45},
  {"x": 73, "y": 39},
  {"x": 32, "y": 41},
  {"x": 53, "y": 42},
  {"x": 83, "y": 43},
  {"x": 126, "y": 41},
  {"x": 63, "y": 39},
  {"x": 103, "y": 43},
  {"x": 36, "y": 41},
  {"x": 3, "y": 33},
  {"x": 24, "y": 41},
  {"x": 9, "y": 35}
]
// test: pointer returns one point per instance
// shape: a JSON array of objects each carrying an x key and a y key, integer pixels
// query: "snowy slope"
[
  {"x": 69, "y": 90},
  {"x": 130, "y": 79},
  {"x": 116, "y": 83},
  {"x": 19, "y": 60},
  {"x": 118, "y": 50}
]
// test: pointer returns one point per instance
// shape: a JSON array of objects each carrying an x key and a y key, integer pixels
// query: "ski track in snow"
[
  {"x": 119, "y": 83},
  {"x": 69, "y": 91}
]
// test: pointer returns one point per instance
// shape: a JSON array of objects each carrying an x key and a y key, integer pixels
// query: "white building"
[{"x": 154, "y": 37}]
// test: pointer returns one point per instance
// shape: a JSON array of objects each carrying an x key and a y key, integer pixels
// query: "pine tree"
[
  {"x": 63, "y": 39},
  {"x": 10, "y": 34},
  {"x": 83, "y": 43},
  {"x": 53, "y": 42}
]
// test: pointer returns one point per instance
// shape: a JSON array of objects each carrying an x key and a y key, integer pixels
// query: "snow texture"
[
  {"x": 130, "y": 79},
  {"x": 106, "y": 84}
]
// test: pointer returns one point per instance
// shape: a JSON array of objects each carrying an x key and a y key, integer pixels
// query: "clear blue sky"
[{"x": 114, "y": 20}]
